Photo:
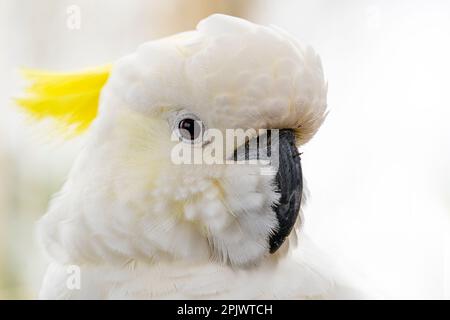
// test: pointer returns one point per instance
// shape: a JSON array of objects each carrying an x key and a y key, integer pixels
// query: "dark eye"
[{"x": 190, "y": 129}]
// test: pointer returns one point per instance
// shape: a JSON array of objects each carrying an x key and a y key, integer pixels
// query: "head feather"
[{"x": 71, "y": 98}]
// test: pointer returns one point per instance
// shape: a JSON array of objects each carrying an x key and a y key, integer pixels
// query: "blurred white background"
[{"x": 378, "y": 170}]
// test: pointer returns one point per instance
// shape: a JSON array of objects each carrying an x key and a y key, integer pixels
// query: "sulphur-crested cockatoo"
[{"x": 132, "y": 221}]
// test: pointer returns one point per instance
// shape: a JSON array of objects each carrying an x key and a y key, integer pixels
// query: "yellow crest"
[{"x": 69, "y": 98}]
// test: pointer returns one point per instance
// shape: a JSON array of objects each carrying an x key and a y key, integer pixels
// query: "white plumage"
[{"x": 140, "y": 226}]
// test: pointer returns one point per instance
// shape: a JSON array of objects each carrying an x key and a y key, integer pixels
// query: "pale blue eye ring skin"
[{"x": 175, "y": 118}]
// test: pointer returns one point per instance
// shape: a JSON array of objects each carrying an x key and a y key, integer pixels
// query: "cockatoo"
[{"x": 136, "y": 223}]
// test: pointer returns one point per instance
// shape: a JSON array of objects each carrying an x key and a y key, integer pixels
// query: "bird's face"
[
  {"x": 209, "y": 92},
  {"x": 212, "y": 204}
]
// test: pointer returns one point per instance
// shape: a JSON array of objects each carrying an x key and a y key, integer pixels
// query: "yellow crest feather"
[{"x": 70, "y": 98}]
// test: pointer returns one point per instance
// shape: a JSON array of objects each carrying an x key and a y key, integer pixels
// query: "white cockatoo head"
[{"x": 128, "y": 198}]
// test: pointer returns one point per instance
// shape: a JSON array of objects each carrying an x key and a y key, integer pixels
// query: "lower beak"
[{"x": 290, "y": 185}]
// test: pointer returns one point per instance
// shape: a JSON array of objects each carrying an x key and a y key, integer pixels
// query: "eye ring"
[{"x": 189, "y": 127}]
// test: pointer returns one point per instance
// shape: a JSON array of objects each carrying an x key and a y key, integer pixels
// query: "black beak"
[
  {"x": 290, "y": 185},
  {"x": 279, "y": 148}
]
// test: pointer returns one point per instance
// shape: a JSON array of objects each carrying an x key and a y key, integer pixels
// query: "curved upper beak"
[{"x": 290, "y": 186}]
